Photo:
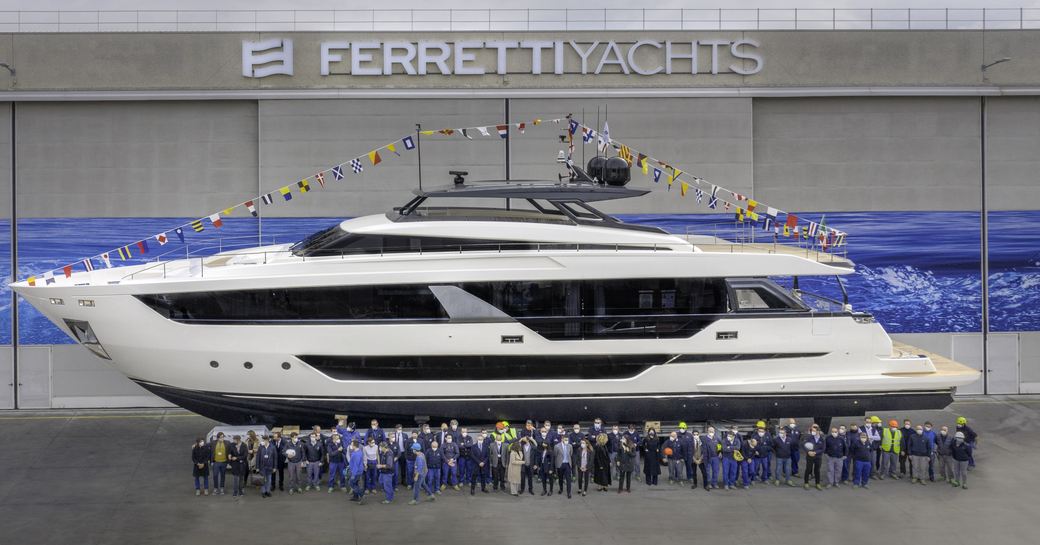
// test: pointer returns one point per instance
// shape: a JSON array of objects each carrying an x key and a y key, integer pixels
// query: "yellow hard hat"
[
  {"x": 760, "y": 424},
  {"x": 875, "y": 420},
  {"x": 738, "y": 456},
  {"x": 682, "y": 425},
  {"x": 961, "y": 421},
  {"x": 504, "y": 423}
]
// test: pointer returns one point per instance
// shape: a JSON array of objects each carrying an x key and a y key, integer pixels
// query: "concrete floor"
[{"x": 124, "y": 477}]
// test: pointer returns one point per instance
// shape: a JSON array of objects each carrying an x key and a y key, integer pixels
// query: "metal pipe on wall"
[{"x": 14, "y": 258}]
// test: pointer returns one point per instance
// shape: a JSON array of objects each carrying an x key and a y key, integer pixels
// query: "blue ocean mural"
[{"x": 916, "y": 272}]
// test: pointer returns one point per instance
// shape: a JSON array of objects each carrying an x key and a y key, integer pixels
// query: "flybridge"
[{"x": 645, "y": 57}]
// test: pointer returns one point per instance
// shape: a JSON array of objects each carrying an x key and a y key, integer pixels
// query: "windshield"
[{"x": 318, "y": 240}]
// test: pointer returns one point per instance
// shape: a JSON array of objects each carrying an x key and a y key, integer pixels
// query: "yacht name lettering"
[{"x": 645, "y": 57}]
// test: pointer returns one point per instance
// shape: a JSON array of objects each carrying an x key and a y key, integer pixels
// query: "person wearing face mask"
[
  {"x": 583, "y": 465},
  {"x": 746, "y": 465},
  {"x": 238, "y": 458},
  {"x": 961, "y": 452},
  {"x": 219, "y": 457},
  {"x": 313, "y": 451},
  {"x": 970, "y": 437},
  {"x": 200, "y": 458},
  {"x": 862, "y": 459},
  {"x": 546, "y": 467},
  {"x": 686, "y": 451},
  {"x": 930, "y": 438},
  {"x": 673, "y": 456},
  {"x": 515, "y": 463},
  {"x": 528, "y": 430},
  {"x": 836, "y": 450},
  {"x": 266, "y": 461},
  {"x": 873, "y": 431},
  {"x": 763, "y": 468},
  {"x": 760, "y": 458},
  {"x": 601, "y": 467},
  {"x": 813, "y": 444},
  {"x": 386, "y": 461},
  {"x": 337, "y": 463},
  {"x": 783, "y": 449},
  {"x": 904, "y": 451},
  {"x": 375, "y": 432},
  {"x": 891, "y": 441},
  {"x": 730, "y": 449},
  {"x": 529, "y": 452},
  {"x": 626, "y": 461},
  {"x": 279, "y": 470},
  {"x": 712, "y": 449},
  {"x": 293, "y": 453},
  {"x": 697, "y": 459},
  {"x": 371, "y": 452},
  {"x": 637, "y": 440},
  {"x": 356, "y": 469},
  {"x": 409, "y": 459},
  {"x": 426, "y": 437},
  {"x": 465, "y": 443},
  {"x": 920, "y": 451},
  {"x": 544, "y": 438},
  {"x": 651, "y": 457},
  {"x": 434, "y": 463},
  {"x": 479, "y": 458},
  {"x": 849, "y": 437},
  {"x": 795, "y": 435},
  {"x": 943, "y": 442},
  {"x": 575, "y": 438},
  {"x": 562, "y": 456},
  {"x": 450, "y": 468},
  {"x": 613, "y": 446},
  {"x": 498, "y": 459}
]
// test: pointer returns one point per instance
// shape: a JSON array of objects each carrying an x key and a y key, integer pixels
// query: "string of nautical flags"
[
  {"x": 354, "y": 166},
  {"x": 745, "y": 209}
]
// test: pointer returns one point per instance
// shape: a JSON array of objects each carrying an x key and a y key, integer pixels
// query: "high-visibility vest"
[{"x": 890, "y": 440}]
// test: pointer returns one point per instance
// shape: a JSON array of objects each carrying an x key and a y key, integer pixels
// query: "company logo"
[{"x": 267, "y": 58}]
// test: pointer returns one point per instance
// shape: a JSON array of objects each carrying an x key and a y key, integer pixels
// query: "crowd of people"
[{"x": 374, "y": 461}]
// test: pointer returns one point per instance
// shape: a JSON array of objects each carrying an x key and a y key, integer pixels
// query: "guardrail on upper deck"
[{"x": 505, "y": 20}]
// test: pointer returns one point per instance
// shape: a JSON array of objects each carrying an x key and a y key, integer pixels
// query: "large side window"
[{"x": 761, "y": 295}]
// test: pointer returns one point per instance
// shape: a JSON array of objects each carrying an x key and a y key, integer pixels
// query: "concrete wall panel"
[
  {"x": 120, "y": 159},
  {"x": 861, "y": 154},
  {"x": 1013, "y": 153},
  {"x": 81, "y": 379},
  {"x": 300, "y": 137}
]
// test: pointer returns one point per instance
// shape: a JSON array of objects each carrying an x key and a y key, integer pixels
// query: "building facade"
[{"x": 899, "y": 138}]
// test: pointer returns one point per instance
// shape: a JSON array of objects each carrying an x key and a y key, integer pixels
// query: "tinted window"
[
  {"x": 760, "y": 298},
  {"x": 483, "y": 367},
  {"x": 300, "y": 304}
]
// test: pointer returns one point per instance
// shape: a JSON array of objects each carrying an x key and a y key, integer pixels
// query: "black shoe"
[
  {"x": 472, "y": 491},
  {"x": 484, "y": 490},
  {"x": 568, "y": 496},
  {"x": 544, "y": 493},
  {"x": 530, "y": 492}
]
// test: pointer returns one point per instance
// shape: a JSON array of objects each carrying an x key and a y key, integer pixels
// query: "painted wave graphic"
[{"x": 916, "y": 272}]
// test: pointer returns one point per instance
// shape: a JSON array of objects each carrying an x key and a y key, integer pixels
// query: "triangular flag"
[
  {"x": 392, "y": 147},
  {"x": 251, "y": 207},
  {"x": 374, "y": 157},
  {"x": 216, "y": 221},
  {"x": 320, "y": 177},
  {"x": 683, "y": 187},
  {"x": 657, "y": 175}
]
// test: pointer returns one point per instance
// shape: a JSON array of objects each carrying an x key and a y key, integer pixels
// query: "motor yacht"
[{"x": 524, "y": 301}]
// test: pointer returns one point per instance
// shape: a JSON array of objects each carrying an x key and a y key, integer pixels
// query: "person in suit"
[
  {"x": 497, "y": 459},
  {"x": 583, "y": 465},
  {"x": 626, "y": 462},
  {"x": 238, "y": 461},
  {"x": 479, "y": 458},
  {"x": 651, "y": 457},
  {"x": 279, "y": 470},
  {"x": 529, "y": 452},
  {"x": 200, "y": 458},
  {"x": 465, "y": 467},
  {"x": 545, "y": 465},
  {"x": 562, "y": 455},
  {"x": 697, "y": 459}
]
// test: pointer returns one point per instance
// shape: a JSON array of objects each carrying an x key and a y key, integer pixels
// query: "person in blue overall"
[
  {"x": 337, "y": 463},
  {"x": 420, "y": 475},
  {"x": 434, "y": 463},
  {"x": 465, "y": 467},
  {"x": 357, "y": 471},
  {"x": 796, "y": 438},
  {"x": 730, "y": 446},
  {"x": 385, "y": 468},
  {"x": 711, "y": 449},
  {"x": 862, "y": 457}
]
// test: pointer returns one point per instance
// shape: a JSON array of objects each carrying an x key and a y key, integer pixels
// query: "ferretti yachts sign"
[{"x": 645, "y": 57}]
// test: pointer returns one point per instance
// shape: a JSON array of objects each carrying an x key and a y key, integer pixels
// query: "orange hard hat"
[
  {"x": 501, "y": 426},
  {"x": 667, "y": 451},
  {"x": 893, "y": 424}
]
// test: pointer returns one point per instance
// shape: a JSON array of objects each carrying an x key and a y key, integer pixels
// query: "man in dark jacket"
[
  {"x": 465, "y": 467},
  {"x": 375, "y": 432},
  {"x": 862, "y": 459},
  {"x": 279, "y": 471},
  {"x": 795, "y": 435},
  {"x": 266, "y": 460},
  {"x": 813, "y": 445},
  {"x": 337, "y": 463},
  {"x": 920, "y": 451},
  {"x": 479, "y": 458},
  {"x": 409, "y": 458},
  {"x": 673, "y": 456},
  {"x": 313, "y": 451},
  {"x": 545, "y": 466},
  {"x": 836, "y": 450},
  {"x": 970, "y": 437},
  {"x": 943, "y": 442},
  {"x": 730, "y": 448},
  {"x": 783, "y": 449},
  {"x": 904, "y": 450},
  {"x": 450, "y": 468},
  {"x": 296, "y": 462},
  {"x": 686, "y": 451},
  {"x": 961, "y": 453},
  {"x": 238, "y": 458},
  {"x": 498, "y": 459},
  {"x": 712, "y": 461},
  {"x": 434, "y": 463}
]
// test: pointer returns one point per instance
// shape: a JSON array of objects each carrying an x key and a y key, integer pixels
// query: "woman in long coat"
[
  {"x": 651, "y": 457},
  {"x": 515, "y": 468},
  {"x": 200, "y": 457},
  {"x": 601, "y": 463},
  {"x": 626, "y": 461}
]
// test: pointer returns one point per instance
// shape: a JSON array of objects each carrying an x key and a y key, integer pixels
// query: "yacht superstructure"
[{"x": 543, "y": 307}]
